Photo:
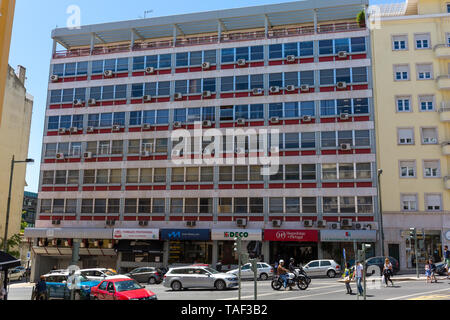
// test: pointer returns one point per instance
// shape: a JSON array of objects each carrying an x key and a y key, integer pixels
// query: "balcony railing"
[
  {"x": 193, "y": 41},
  {"x": 442, "y": 50}
]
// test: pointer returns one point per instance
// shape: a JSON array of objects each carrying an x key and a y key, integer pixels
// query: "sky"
[{"x": 31, "y": 42}]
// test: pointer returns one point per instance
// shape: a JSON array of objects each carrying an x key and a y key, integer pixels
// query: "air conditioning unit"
[
  {"x": 54, "y": 78},
  {"x": 240, "y": 121},
  {"x": 206, "y": 94},
  {"x": 57, "y": 222},
  {"x": 306, "y": 118},
  {"x": 346, "y": 222},
  {"x": 115, "y": 128},
  {"x": 308, "y": 223},
  {"x": 91, "y": 102},
  {"x": 149, "y": 70},
  {"x": 108, "y": 73},
  {"x": 358, "y": 226},
  {"x": 178, "y": 96},
  {"x": 73, "y": 130},
  {"x": 62, "y": 130},
  {"x": 240, "y": 150},
  {"x": 344, "y": 116},
  {"x": 274, "y": 120},
  {"x": 304, "y": 88},
  {"x": 241, "y": 62},
  {"x": 257, "y": 91},
  {"x": 370, "y": 226},
  {"x": 342, "y": 54},
  {"x": 274, "y": 149},
  {"x": 290, "y": 88},
  {"x": 191, "y": 223},
  {"x": 276, "y": 223},
  {"x": 177, "y": 124},
  {"x": 274, "y": 89},
  {"x": 90, "y": 129},
  {"x": 145, "y": 153},
  {"x": 335, "y": 225},
  {"x": 321, "y": 223},
  {"x": 290, "y": 58},
  {"x": 345, "y": 146},
  {"x": 241, "y": 222},
  {"x": 146, "y": 126},
  {"x": 206, "y": 65},
  {"x": 77, "y": 102},
  {"x": 147, "y": 98},
  {"x": 341, "y": 85},
  {"x": 60, "y": 156},
  {"x": 143, "y": 223},
  {"x": 87, "y": 155},
  {"x": 206, "y": 123}
]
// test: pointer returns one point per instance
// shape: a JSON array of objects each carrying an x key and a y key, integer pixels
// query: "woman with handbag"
[
  {"x": 347, "y": 277},
  {"x": 387, "y": 272}
]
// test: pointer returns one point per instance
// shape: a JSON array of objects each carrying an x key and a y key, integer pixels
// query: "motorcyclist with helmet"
[
  {"x": 292, "y": 266},
  {"x": 283, "y": 273}
]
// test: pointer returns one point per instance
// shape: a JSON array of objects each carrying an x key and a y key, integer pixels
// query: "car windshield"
[
  {"x": 211, "y": 270},
  {"x": 127, "y": 285}
]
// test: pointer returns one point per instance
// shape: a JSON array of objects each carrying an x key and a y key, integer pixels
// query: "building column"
[
  {"x": 75, "y": 252},
  {"x": 215, "y": 253},
  {"x": 34, "y": 274},
  {"x": 319, "y": 251},
  {"x": 92, "y": 42},
  {"x": 166, "y": 254},
  {"x": 265, "y": 251},
  {"x": 54, "y": 47},
  {"x": 119, "y": 262},
  {"x": 315, "y": 21}
]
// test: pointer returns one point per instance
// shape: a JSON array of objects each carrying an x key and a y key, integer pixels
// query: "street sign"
[
  {"x": 344, "y": 252},
  {"x": 28, "y": 255}
]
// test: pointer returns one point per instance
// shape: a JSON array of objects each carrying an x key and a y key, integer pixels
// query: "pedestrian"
[
  {"x": 428, "y": 271},
  {"x": 387, "y": 272},
  {"x": 447, "y": 261},
  {"x": 358, "y": 274},
  {"x": 2, "y": 292},
  {"x": 432, "y": 270},
  {"x": 347, "y": 278},
  {"x": 41, "y": 289},
  {"x": 219, "y": 266}
]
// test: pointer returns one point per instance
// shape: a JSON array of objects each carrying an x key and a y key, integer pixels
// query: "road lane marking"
[
  {"x": 433, "y": 297},
  {"x": 312, "y": 295},
  {"x": 416, "y": 294}
]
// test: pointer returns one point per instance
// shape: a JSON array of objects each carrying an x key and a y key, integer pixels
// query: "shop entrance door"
[{"x": 394, "y": 251}]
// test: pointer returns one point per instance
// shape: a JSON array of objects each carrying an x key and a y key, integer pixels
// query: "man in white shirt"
[{"x": 358, "y": 274}]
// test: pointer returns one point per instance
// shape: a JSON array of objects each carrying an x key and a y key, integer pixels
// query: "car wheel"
[
  {"x": 220, "y": 285},
  {"x": 151, "y": 280},
  {"x": 176, "y": 286},
  {"x": 264, "y": 276},
  {"x": 331, "y": 273}
]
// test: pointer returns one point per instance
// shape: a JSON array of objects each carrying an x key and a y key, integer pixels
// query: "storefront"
[
  {"x": 429, "y": 246},
  {"x": 298, "y": 244},
  {"x": 138, "y": 248},
  {"x": 187, "y": 246},
  {"x": 337, "y": 243},
  {"x": 251, "y": 243}
]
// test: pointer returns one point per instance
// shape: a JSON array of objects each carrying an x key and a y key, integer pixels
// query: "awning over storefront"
[
  {"x": 348, "y": 235},
  {"x": 185, "y": 234},
  {"x": 136, "y": 234},
  {"x": 291, "y": 235},
  {"x": 230, "y": 234},
  {"x": 68, "y": 233},
  {"x": 7, "y": 261}
]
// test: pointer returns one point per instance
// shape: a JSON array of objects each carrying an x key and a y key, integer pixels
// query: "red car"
[{"x": 121, "y": 288}]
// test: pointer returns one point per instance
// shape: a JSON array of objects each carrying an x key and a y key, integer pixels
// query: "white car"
[
  {"x": 265, "y": 271},
  {"x": 16, "y": 274},
  {"x": 328, "y": 268},
  {"x": 97, "y": 274}
]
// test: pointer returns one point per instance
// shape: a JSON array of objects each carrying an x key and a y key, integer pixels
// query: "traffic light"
[
  {"x": 412, "y": 232},
  {"x": 237, "y": 245}
]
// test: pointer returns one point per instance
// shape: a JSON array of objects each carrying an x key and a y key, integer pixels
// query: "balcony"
[
  {"x": 445, "y": 111},
  {"x": 442, "y": 51},
  {"x": 443, "y": 82},
  {"x": 447, "y": 182},
  {"x": 446, "y": 148}
]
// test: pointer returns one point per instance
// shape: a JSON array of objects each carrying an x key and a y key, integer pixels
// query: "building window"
[
  {"x": 276, "y": 205},
  {"x": 309, "y": 205},
  {"x": 400, "y": 42},
  {"x": 426, "y": 103},
  {"x": 330, "y": 204},
  {"x": 433, "y": 202},
  {"x": 429, "y": 135},
  {"x": 408, "y": 202},
  {"x": 225, "y": 205},
  {"x": 422, "y": 41},
  {"x": 365, "y": 205},
  {"x": 405, "y": 135},
  {"x": 401, "y": 72},
  {"x": 363, "y": 171},
  {"x": 292, "y": 205},
  {"x": 431, "y": 169},
  {"x": 424, "y": 71},
  {"x": 407, "y": 169},
  {"x": 403, "y": 104}
]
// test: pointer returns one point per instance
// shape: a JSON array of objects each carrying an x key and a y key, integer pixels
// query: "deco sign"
[{"x": 235, "y": 234}]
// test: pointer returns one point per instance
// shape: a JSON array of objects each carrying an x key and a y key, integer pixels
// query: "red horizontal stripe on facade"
[
  {"x": 276, "y": 186},
  {"x": 99, "y": 218},
  {"x": 222, "y": 218},
  {"x": 324, "y": 59},
  {"x": 176, "y": 187},
  {"x": 257, "y": 186},
  {"x": 361, "y": 219},
  {"x": 205, "y": 218},
  {"x": 175, "y": 218},
  {"x": 145, "y": 188},
  {"x": 291, "y": 219},
  {"x": 159, "y": 218},
  {"x": 225, "y": 186},
  {"x": 362, "y": 151},
  {"x": 329, "y": 185},
  {"x": 328, "y": 151},
  {"x": 131, "y": 188},
  {"x": 159, "y": 187},
  {"x": 206, "y": 187},
  {"x": 241, "y": 186},
  {"x": 256, "y": 218},
  {"x": 292, "y": 185},
  {"x": 127, "y": 218},
  {"x": 85, "y": 218},
  {"x": 346, "y": 185},
  {"x": 364, "y": 184},
  {"x": 192, "y": 187},
  {"x": 115, "y": 188},
  {"x": 88, "y": 188},
  {"x": 308, "y": 153}
]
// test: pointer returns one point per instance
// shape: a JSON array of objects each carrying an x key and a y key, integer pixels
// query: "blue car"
[{"x": 59, "y": 286}]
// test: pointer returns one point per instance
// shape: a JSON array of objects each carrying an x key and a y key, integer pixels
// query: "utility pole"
[
  {"x": 413, "y": 234},
  {"x": 237, "y": 248},
  {"x": 254, "y": 263}
]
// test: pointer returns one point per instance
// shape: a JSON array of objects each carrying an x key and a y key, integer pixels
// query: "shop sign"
[
  {"x": 291, "y": 235},
  {"x": 185, "y": 234},
  {"x": 348, "y": 235},
  {"x": 136, "y": 234},
  {"x": 227, "y": 234}
]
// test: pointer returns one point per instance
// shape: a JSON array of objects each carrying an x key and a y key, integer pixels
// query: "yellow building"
[
  {"x": 14, "y": 138},
  {"x": 411, "y": 50}
]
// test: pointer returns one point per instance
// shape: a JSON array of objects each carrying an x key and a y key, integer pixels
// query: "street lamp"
[
  {"x": 379, "y": 173},
  {"x": 13, "y": 162}
]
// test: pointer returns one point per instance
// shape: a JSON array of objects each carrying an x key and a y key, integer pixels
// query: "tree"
[
  {"x": 361, "y": 19},
  {"x": 12, "y": 244}
]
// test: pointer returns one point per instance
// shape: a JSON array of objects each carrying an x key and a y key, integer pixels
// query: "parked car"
[
  {"x": 148, "y": 275},
  {"x": 121, "y": 288},
  {"x": 379, "y": 262},
  {"x": 97, "y": 274},
  {"x": 265, "y": 271},
  {"x": 328, "y": 268},
  {"x": 198, "y": 277},
  {"x": 58, "y": 286},
  {"x": 16, "y": 274}
]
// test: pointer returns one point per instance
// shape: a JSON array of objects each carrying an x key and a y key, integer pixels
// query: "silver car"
[
  {"x": 198, "y": 277},
  {"x": 328, "y": 268},
  {"x": 265, "y": 271}
]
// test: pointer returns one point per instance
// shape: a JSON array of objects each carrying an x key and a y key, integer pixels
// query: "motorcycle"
[
  {"x": 301, "y": 271},
  {"x": 293, "y": 279}
]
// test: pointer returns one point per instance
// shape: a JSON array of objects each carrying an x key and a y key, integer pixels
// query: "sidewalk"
[
  {"x": 21, "y": 285},
  {"x": 408, "y": 277}
]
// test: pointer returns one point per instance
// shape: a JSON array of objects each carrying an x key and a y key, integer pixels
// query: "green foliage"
[
  {"x": 23, "y": 225},
  {"x": 12, "y": 244},
  {"x": 361, "y": 18}
]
